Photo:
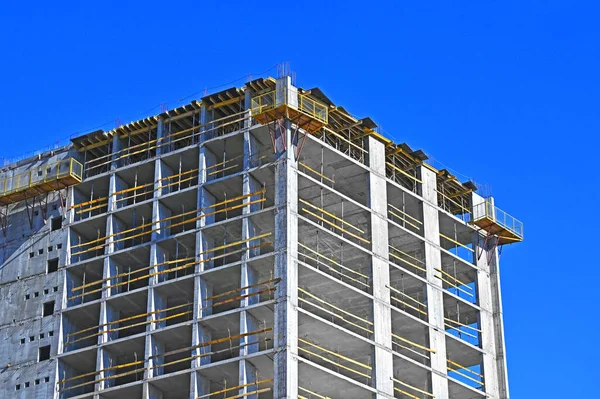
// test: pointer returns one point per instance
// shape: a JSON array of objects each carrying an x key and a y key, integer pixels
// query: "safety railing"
[
  {"x": 43, "y": 174},
  {"x": 267, "y": 101},
  {"x": 487, "y": 210},
  {"x": 313, "y": 108},
  {"x": 263, "y": 103}
]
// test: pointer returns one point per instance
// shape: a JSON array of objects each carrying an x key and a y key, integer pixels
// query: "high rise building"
[{"x": 259, "y": 243}]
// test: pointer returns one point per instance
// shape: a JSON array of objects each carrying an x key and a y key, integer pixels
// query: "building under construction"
[{"x": 260, "y": 242}]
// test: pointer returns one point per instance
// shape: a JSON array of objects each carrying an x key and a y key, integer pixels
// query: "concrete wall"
[{"x": 26, "y": 246}]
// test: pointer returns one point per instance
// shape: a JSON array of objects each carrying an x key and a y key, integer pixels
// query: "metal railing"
[
  {"x": 487, "y": 210},
  {"x": 43, "y": 174},
  {"x": 306, "y": 105},
  {"x": 263, "y": 103},
  {"x": 313, "y": 108}
]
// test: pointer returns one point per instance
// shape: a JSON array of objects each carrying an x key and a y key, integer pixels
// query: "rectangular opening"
[
  {"x": 44, "y": 353},
  {"x": 56, "y": 223},
  {"x": 48, "y": 308},
  {"x": 52, "y": 265}
]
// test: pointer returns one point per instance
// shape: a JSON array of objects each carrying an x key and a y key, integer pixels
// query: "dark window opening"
[
  {"x": 22, "y": 341},
  {"x": 31, "y": 254},
  {"x": 36, "y": 294},
  {"x": 40, "y": 251},
  {"x": 37, "y": 382},
  {"x": 56, "y": 223},
  {"x": 44, "y": 353},
  {"x": 27, "y": 384},
  {"x": 46, "y": 379},
  {"x": 50, "y": 248},
  {"x": 52, "y": 265},
  {"x": 58, "y": 246},
  {"x": 26, "y": 296},
  {"x": 48, "y": 308}
]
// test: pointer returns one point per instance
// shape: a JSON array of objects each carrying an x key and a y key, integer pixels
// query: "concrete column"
[
  {"x": 117, "y": 145},
  {"x": 382, "y": 318},
  {"x": 116, "y": 184},
  {"x": 435, "y": 297},
  {"x": 247, "y": 375},
  {"x": 162, "y": 170},
  {"x": 286, "y": 266},
  {"x": 160, "y": 133},
  {"x": 104, "y": 361},
  {"x": 490, "y": 316},
  {"x": 200, "y": 385},
  {"x": 151, "y": 392}
]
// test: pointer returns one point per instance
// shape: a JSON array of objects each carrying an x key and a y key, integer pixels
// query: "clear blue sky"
[{"x": 504, "y": 92}]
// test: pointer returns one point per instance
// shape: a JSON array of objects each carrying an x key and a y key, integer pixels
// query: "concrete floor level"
[{"x": 258, "y": 243}]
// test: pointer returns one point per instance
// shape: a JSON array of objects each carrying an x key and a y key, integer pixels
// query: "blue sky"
[{"x": 506, "y": 93}]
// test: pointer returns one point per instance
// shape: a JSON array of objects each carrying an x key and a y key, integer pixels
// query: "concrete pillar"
[
  {"x": 382, "y": 318},
  {"x": 117, "y": 145},
  {"x": 435, "y": 297},
  {"x": 200, "y": 385},
  {"x": 105, "y": 360},
  {"x": 162, "y": 171},
  {"x": 286, "y": 265},
  {"x": 161, "y": 132},
  {"x": 116, "y": 184},
  {"x": 247, "y": 375},
  {"x": 490, "y": 316}
]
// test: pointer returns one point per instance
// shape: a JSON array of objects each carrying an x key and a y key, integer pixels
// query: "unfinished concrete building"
[{"x": 258, "y": 243}]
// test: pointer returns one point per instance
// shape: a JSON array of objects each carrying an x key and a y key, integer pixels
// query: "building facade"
[{"x": 258, "y": 243}]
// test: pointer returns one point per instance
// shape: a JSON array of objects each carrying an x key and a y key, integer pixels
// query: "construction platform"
[
  {"x": 307, "y": 114},
  {"x": 496, "y": 222},
  {"x": 45, "y": 179}
]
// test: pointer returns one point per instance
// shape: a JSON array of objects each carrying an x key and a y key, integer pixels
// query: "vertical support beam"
[
  {"x": 490, "y": 317},
  {"x": 382, "y": 318},
  {"x": 200, "y": 385},
  {"x": 435, "y": 296},
  {"x": 108, "y": 314},
  {"x": 162, "y": 146},
  {"x": 286, "y": 263}
]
